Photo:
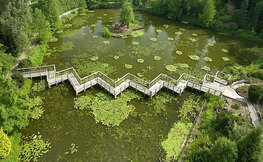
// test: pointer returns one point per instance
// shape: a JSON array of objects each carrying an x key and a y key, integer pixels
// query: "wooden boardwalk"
[{"x": 212, "y": 84}]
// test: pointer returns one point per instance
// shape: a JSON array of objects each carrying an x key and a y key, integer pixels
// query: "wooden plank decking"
[{"x": 117, "y": 87}]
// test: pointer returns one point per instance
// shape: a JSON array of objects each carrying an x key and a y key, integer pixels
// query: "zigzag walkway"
[{"x": 216, "y": 84}]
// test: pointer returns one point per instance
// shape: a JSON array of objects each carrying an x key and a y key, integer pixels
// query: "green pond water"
[{"x": 139, "y": 137}]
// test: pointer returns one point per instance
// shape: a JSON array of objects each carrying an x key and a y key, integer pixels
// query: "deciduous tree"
[{"x": 208, "y": 13}]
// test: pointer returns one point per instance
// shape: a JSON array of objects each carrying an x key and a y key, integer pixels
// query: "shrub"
[
  {"x": 106, "y": 32},
  {"x": 257, "y": 74},
  {"x": 25, "y": 63},
  {"x": 238, "y": 105},
  {"x": 5, "y": 145},
  {"x": 255, "y": 93},
  {"x": 18, "y": 78}
]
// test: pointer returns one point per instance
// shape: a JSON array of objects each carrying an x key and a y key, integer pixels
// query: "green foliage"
[
  {"x": 172, "y": 145},
  {"x": 35, "y": 107},
  {"x": 127, "y": 16},
  {"x": 208, "y": 13},
  {"x": 82, "y": 102},
  {"x": 39, "y": 86},
  {"x": 194, "y": 57},
  {"x": 66, "y": 46},
  {"x": 137, "y": 33},
  {"x": 255, "y": 93},
  {"x": 106, "y": 32},
  {"x": 33, "y": 147},
  {"x": 189, "y": 109},
  {"x": 238, "y": 105},
  {"x": 18, "y": 78},
  {"x": 175, "y": 9},
  {"x": 5, "y": 145},
  {"x": 36, "y": 55},
  {"x": 92, "y": 4},
  {"x": 13, "y": 18},
  {"x": 250, "y": 146},
  {"x": 25, "y": 63},
  {"x": 73, "y": 148},
  {"x": 256, "y": 14},
  {"x": 6, "y": 62},
  {"x": 15, "y": 149},
  {"x": 171, "y": 68},
  {"x": 224, "y": 150}
]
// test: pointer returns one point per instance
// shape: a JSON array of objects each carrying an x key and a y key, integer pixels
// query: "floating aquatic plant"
[
  {"x": 94, "y": 36},
  {"x": 224, "y": 50},
  {"x": 158, "y": 30},
  {"x": 178, "y": 33},
  {"x": 182, "y": 29},
  {"x": 205, "y": 50},
  {"x": 106, "y": 42},
  {"x": 192, "y": 39},
  {"x": 137, "y": 33},
  {"x": 94, "y": 58},
  {"x": 139, "y": 74},
  {"x": 66, "y": 46},
  {"x": 53, "y": 39},
  {"x": 149, "y": 68},
  {"x": 40, "y": 86},
  {"x": 208, "y": 59},
  {"x": 67, "y": 25},
  {"x": 225, "y": 58},
  {"x": 183, "y": 65},
  {"x": 104, "y": 14},
  {"x": 179, "y": 52},
  {"x": 135, "y": 43},
  {"x": 170, "y": 38},
  {"x": 153, "y": 39},
  {"x": 206, "y": 68},
  {"x": 82, "y": 14},
  {"x": 195, "y": 35},
  {"x": 128, "y": 66},
  {"x": 93, "y": 25},
  {"x": 171, "y": 68},
  {"x": 60, "y": 31},
  {"x": 157, "y": 58},
  {"x": 99, "y": 17},
  {"x": 140, "y": 60},
  {"x": 194, "y": 57},
  {"x": 116, "y": 57},
  {"x": 166, "y": 26},
  {"x": 210, "y": 44}
]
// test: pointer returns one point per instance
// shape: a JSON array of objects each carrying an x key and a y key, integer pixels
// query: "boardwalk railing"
[{"x": 116, "y": 87}]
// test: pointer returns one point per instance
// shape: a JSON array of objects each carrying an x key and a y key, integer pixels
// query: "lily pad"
[
  {"x": 194, "y": 57},
  {"x": 128, "y": 66},
  {"x": 157, "y": 58},
  {"x": 225, "y": 58},
  {"x": 135, "y": 43},
  {"x": 140, "y": 61},
  {"x": 140, "y": 74},
  {"x": 183, "y": 65},
  {"x": 94, "y": 58},
  {"x": 158, "y": 30},
  {"x": 195, "y": 35},
  {"x": 179, "y": 52},
  {"x": 116, "y": 57},
  {"x": 171, "y": 68},
  {"x": 106, "y": 42},
  {"x": 210, "y": 44},
  {"x": 192, "y": 39},
  {"x": 153, "y": 39},
  {"x": 170, "y": 38},
  {"x": 67, "y": 25},
  {"x": 99, "y": 17},
  {"x": 178, "y": 33},
  {"x": 137, "y": 33},
  {"x": 166, "y": 26},
  {"x": 93, "y": 25},
  {"x": 104, "y": 14},
  {"x": 224, "y": 50},
  {"x": 206, "y": 68},
  {"x": 208, "y": 59},
  {"x": 94, "y": 36}
]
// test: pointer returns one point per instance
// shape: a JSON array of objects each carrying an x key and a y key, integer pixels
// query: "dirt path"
[{"x": 21, "y": 57}]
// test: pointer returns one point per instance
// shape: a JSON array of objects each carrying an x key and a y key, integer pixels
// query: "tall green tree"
[
  {"x": 256, "y": 13},
  {"x": 13, "y": 19},
  {"x": 224, "y": 150},
  {"x": 208, "y": 13},
  {"x": 242, "y": 22},
  {"x": 39, "y": 26},
  {"x": 5, "y": 145},
  {"x": 175, "y": 9},
  {"x": 51, "y": 9},
  {"x": 250, "y": 147},
  {"x": 127, "y": 13}
]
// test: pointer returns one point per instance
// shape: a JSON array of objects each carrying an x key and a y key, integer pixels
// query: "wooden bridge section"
[{"x": 214, "y": 84}]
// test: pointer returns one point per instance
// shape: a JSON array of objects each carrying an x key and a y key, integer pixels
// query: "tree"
[
  {"x": 242, "y": 22},
  {"x": 224, "y": 150},
  {"x": 255, "y": 93},
  {"x": 92, "y": 4},
  {"x": 256, "y": 13},
  {"x": 39, "y": 26},
  {"x": 5, "y": 145},
  {"x": 13, "y": 19},
  {"x": 208, "y": 13},
  {"x": 250, "y": 146},
  {"x": 51, "y": 9},
  {"x": 175, "y": 9},
  {"x": 127, "y": 16}
]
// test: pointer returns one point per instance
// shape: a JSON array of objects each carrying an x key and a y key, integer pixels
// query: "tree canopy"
[
  {"x": 127, "y": 16},
  {"x": 5, "y": 145}
]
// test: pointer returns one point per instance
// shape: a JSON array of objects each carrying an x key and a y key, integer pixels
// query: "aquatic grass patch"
[
  {"x": 94, "y": 58},
  {"x": 85, "y": 68},
  {"x": 179, "y": 52},
  {"x": 135, "y": 43},
  {"x": 224, "y": 50},
  {"x": 194, "y": 57},
  {"x": 225, "y": 59},
  {"x": 157, "y": 58},
  {"x": 106, "y": 42},
  {"x": 35, "y": 105},
  {"x": 140, "y": 61},
  {"x": 182, "y": 65},
  {"x": 127, "y": 66},
  {"x": 170, "y": 38},
  {"x": 208, "y": 59},
  {"x": 153, "y": 39},
  {"x": 206, "y": 68},
  {"x": 82, "y": 102},
  {"x": 66, "y": 46},
  {"x": 171, "y": 68}
]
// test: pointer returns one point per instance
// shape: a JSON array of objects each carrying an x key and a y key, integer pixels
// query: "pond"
[{"x": 147, "y": 53}]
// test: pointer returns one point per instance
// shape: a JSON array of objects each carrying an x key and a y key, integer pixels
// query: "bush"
[
  {"x": 238, "y": 105},
  {"x": 106, "y": 32},
  {"x": 25, "y": 63},
  {"x": 257, "y": 74},
  {"x": 255, "y": 93},
  {"x": 5, "y": 145},
  {"x": 18, "y": 78}
]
